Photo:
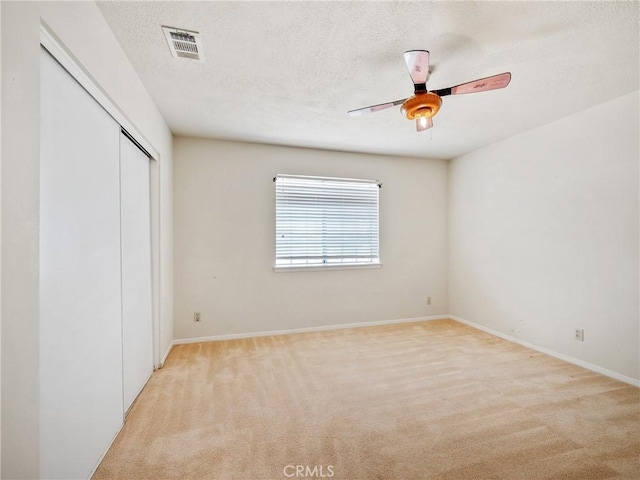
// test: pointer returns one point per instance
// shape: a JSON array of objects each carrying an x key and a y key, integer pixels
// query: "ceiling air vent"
[{"x": 184, "y": 43}]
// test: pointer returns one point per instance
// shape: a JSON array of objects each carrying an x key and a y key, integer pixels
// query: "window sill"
[{"x": 351, "y": 266}]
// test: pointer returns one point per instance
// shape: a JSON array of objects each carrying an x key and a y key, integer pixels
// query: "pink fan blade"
[
  {"x": 375, "y": 108},
  {"x": 418, "y": 65},
  {"x": 423, "y": 123},
  {"x": 483, "y": 85}
]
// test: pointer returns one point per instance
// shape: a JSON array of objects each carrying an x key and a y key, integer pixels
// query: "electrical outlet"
[
  {"x": 579, "y": 334},
  {"x": 428, "y": 300},
  {"x": 196, "y": 317}
]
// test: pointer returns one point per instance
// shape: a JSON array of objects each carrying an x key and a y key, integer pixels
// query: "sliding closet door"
[
  {"x": 137, "y": 326},
  {"x": 81, "y": 391}
]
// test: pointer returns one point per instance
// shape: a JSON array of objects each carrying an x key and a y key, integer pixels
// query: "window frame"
[{"x": 328, "y": 266}]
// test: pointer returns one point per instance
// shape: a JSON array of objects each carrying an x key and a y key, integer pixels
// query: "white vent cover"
[{"x": 184, "y": 43}]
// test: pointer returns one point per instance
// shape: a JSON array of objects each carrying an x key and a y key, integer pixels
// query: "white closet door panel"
[
  {"x": 81, "y": 405},
  {"x": 137, "y": 336}
]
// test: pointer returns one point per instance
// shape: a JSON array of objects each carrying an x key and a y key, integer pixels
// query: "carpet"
[{"x": 433, "y": 400}]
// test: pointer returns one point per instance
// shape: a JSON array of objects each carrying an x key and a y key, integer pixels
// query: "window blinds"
[{"x": 324, "y": 221}]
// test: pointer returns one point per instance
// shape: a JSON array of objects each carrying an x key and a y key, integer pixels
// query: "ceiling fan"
[{"x": 424, "y": 104}]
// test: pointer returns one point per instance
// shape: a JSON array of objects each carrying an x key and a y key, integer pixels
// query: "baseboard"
[
  {"x": 166, "y": 354},
  {"x": 566, "y": 358},
  {"x": 321, "y": 328}
]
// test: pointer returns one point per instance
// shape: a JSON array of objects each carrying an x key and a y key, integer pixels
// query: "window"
[{"x": 324, "y": 222}]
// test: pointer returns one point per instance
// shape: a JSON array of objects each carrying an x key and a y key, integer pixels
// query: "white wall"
[
  {"x": 543, "y": 236},
  {"x": 0, "y": 244},
  {"x": 82, "y": 29},
  {"x": 225, "y": 241}
]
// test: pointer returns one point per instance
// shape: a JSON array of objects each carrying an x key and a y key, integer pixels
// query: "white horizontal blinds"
[{"x": 326, "y": 221}]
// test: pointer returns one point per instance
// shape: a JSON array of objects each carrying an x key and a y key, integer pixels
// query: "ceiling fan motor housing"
[{"x": 423, "y": 104}]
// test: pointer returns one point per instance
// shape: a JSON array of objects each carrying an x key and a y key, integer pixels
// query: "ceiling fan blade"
[
  {"x": 418, "y": 65},
  {"x": 423, "y": 123},
  {"x": 481, "y": 85},
  {"x": 375, "y": 108}
]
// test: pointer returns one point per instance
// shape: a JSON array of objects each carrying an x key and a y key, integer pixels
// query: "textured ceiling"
[{"x": 287, "y": 72}]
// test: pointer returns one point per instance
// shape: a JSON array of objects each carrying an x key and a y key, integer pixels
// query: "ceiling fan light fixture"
[
  {"x": 421, "y": 105},
  {"x": 425, "y": 104}
]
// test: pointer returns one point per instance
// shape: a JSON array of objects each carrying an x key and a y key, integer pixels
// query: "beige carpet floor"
[{"x": 432, "y": 400}]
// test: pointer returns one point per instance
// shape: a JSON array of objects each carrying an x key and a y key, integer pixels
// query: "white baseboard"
[
  {"x": 166, "y": 354},
  {"x": 321, "y": 328},
  {"x": 566, "y": 358}
]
